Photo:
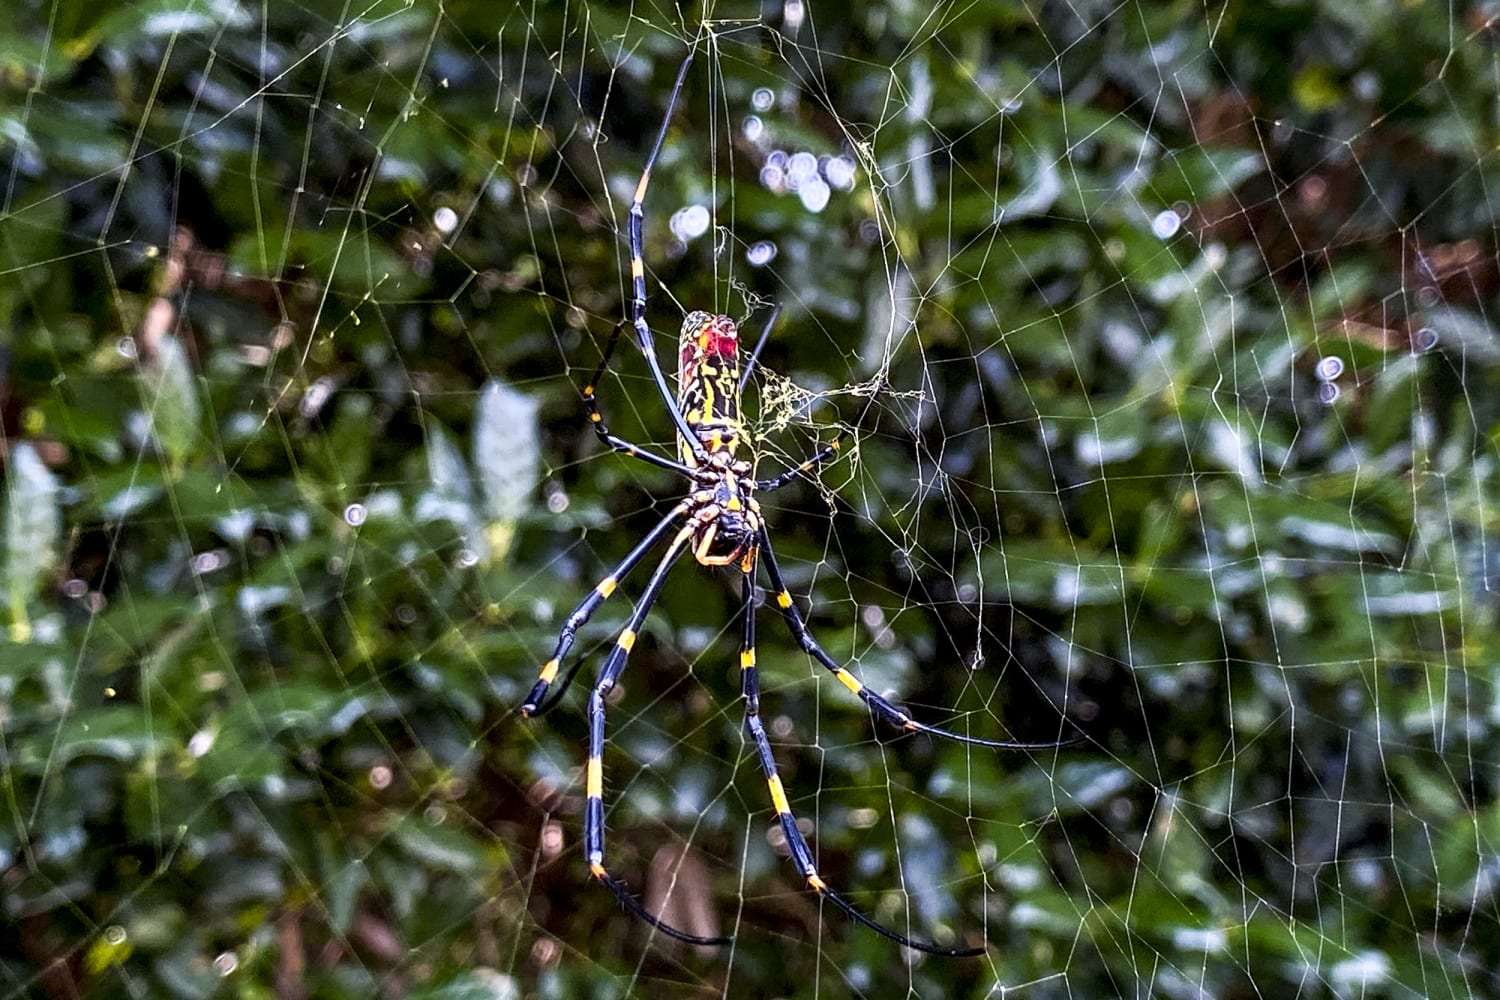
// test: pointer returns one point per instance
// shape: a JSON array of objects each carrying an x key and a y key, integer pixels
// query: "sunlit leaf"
[
  {"x": 33, "y": 528},
  {"x": 507, "y": 457},
  {"x": 169, "y": 393}
]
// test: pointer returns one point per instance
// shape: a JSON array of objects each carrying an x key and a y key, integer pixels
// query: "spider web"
[{"x": 1179, "y": 326}]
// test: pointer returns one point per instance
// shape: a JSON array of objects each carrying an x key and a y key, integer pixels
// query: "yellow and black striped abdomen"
[{"x": 708, "y": 379}]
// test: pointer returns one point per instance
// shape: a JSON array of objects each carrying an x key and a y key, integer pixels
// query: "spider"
[{"x": 721, "y": 523}]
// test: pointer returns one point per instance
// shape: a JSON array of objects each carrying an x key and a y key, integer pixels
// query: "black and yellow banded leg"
[
  {"x": 593, "y": 809},
  {"x": 820, "y": 456},
  {"x": 591, "y": 404},
  {"x": 882, "y": 708},
  {"x": 535, "y": 703},
  {"x": 633, "y": 230},
  {"x": 802, "y": 855}
]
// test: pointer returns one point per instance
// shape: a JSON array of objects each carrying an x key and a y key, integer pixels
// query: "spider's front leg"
[
  {"x": 634, "y": 226},
  {"x": 601, "y": 429}
]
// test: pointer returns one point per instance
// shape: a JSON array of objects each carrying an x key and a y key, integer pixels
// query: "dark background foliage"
[{"x": 1188, "y": 437}]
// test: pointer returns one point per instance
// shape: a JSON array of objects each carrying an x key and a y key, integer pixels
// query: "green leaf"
[
  {"x": 33, "y": 526},
  {"x": 446, "y": 847},
  {"x": 476, "y": 984},
  {"x": 118, "y": 733},
  {"x": 508, "y": 458},
  {"x": 170, "y": 396}
]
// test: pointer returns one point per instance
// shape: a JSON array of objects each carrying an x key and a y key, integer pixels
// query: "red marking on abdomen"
[
  {"x": 720, "y": 339},
  {"x": 723, "y": 347}
]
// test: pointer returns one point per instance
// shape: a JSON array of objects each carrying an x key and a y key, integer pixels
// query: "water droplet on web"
[
  {"x": 814, "y": 195},
  {"x": 1166, "y": 224},
  {"x": 1425, "y": 339},
  {"x": 753, "y": 128},
  {"x": 839, "y": 171},
  {"x": 445, "y": 219},
  {"x": 690, "y": 223},
  {"x": 317, "y": 395},
  {"x": 762, "y": 99},
  {"x": 1327, "y": 393},
  {"x": 207, "y": 562},
  {"x": 761, "y": 253},
  {"x": 1368, "y": 873},
  {"x": 1330, "y": 368},
  {"x": 226, "y": 963},
  {"x": 792, "y": 15},
  {"x": 355, "y": 514},
  {"x": 1427, "y": 296},
  {"x": 802, "y": 168},
  {"x": 201, "y": 742},
  {"x": 1365, "y": 85},
  {"x": 773, "y": 178}
]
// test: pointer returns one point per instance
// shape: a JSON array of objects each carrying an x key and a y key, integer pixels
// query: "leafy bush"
[{"x": 1183, "y": 323}]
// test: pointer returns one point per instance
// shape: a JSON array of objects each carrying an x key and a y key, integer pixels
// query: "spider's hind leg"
[
  {"x": 593, "y": 810},
  {"x": 536, "y": 702},
  {"x": 881, "y": 707},
  {"x": 802, "y": 855}
]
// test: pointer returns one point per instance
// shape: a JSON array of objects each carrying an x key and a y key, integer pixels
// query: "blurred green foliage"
[{"x": 1189, "y": 437}]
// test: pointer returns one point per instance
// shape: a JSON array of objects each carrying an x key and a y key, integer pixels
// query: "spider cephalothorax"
[
  {"x": 726, "y": 521},
  {"x": 721, "y": 524}
]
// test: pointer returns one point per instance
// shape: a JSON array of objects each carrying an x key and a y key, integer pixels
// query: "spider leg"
[
  {"x": 820, "y": 456},
  {"x": 878, "y": 705},
  {"x": 802, "y": 854},
  {"x": 534, "y": 704},
  {"x": 593, "y": 812},
  {"x": 591, "y": 402},
  {"x": 634, "y": 237},
  {"x": 754, "y": 355}
]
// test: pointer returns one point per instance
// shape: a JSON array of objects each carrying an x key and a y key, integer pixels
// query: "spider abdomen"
[{"x": 708, "y": 380}]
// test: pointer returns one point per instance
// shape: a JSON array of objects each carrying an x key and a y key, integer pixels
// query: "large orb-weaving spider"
[{"x": 721, "y": 523}]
